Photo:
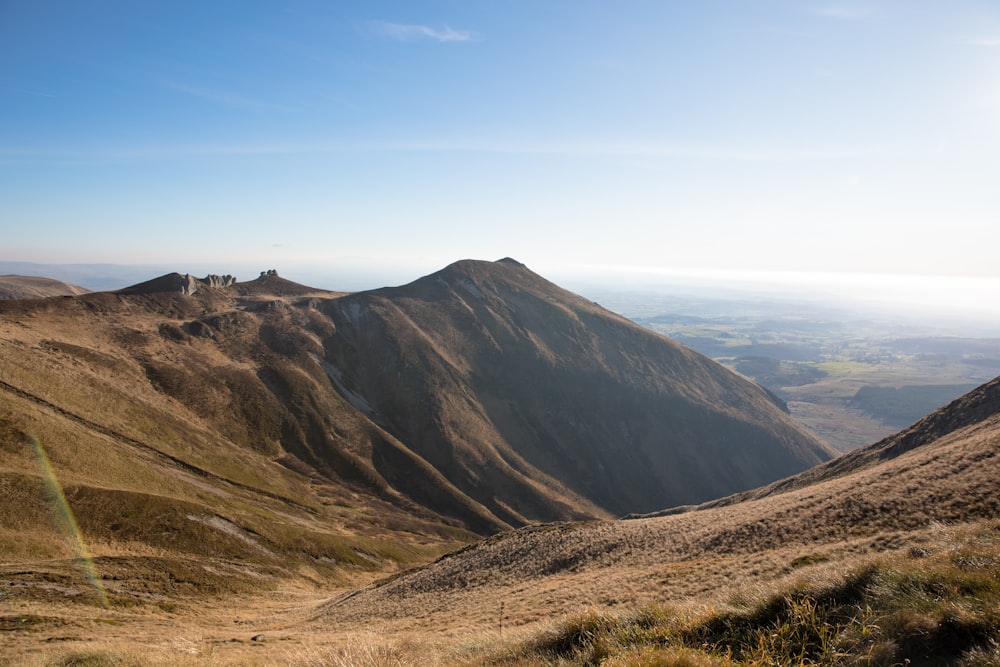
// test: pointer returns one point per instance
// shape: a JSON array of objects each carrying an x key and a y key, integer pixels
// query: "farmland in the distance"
[{"x": 851, "y": 377}]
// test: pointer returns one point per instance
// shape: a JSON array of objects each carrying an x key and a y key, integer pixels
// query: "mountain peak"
[
  {"x": 269, "y": 283},
  {"x": 483, "y": 266},
  {"x": 527, "y": 394}
]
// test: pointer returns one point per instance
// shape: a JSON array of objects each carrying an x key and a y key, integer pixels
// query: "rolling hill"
[{"x": 35, "y": 287}]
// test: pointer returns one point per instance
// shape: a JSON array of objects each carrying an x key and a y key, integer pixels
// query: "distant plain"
[{"x": 851, "y": 371}]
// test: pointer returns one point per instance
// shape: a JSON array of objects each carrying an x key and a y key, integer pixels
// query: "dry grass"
[
  {"x": 937, "y": 605},
  {"x": 933, "y": 604},
  {"x": 203, "y": 542},
  {"x": 557, "y": 569}
]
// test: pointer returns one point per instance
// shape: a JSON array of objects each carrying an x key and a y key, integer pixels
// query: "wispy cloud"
[
  {"x": 846, "y": 11},
  {"x": 27, "y": 91},
  {"x": 412, "y": 32},
  {"x": 225, "y": 99},
  {"x": 622, "y": 149},
  {"x": 985, "y": 43},
  {"x": 567, "y": 149}
]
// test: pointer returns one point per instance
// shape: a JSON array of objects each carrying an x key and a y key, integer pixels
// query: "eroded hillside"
[
  {"x": 541, "y": 405},
  {"x": 482, "y": 396}
]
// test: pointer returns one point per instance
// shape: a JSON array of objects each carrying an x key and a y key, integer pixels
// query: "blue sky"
[{"x": 731, "y": 135}]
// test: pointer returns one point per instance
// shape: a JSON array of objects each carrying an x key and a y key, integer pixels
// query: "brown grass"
[
  {"x": 936, "y": 606},
  {"x": 203, "y": 542},
  {"x": 933, "y": 604}
]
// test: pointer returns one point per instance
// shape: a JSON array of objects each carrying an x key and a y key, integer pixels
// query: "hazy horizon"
[
  {"x": 965, "y": 301},
  {"x": 822, "y": 136}
]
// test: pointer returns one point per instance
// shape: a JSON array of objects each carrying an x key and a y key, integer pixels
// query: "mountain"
[
  {"x": 541, "y": 405},
  {"x": 479, "y": 397},
  {"x": 34, "y": 287}
]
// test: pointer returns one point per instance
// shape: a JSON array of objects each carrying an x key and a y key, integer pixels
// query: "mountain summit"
[{"x": 541, "y": 405}]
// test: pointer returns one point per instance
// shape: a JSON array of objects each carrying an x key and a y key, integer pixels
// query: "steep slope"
[
  {"x": 946, "y": 472},
  {"x": 543, "y": 406},
  {"x": 171, "y": 422},
  {"x": 34, "y": 287},
  {"x": 481, "y": 397},
  {"x": 976, "y": 410}
]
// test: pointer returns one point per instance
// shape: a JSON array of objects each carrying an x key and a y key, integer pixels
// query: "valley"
[
  {"x": 850, "y": 375},
  {"x": 201, "y": 471}
]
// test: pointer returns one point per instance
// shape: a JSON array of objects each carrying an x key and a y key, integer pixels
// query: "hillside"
[
  {"x": 34, "y": 287},
  {"x": 541, "y": 405},
  {"x": 974, "y": 409},
  {"x": 904, "y": 501},
  {"x": 151, "y": 410},
  {"x": 235, "y": 474},
  {"x": 482, "y": 395}
]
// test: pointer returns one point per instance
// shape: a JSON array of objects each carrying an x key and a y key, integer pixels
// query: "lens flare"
[{"x": 66, "y": 522}]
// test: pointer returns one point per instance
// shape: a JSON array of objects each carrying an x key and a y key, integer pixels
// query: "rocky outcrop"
[
  {"x": 183, "y": 283},
  {"x": 212, "y": 280}
]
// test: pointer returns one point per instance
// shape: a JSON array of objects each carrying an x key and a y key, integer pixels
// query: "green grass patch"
[
  {"x": 809, "y": 559},
  {"x": 841, "y": 368}
]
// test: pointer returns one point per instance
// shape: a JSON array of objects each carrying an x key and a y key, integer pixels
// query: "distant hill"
[
  {"x": 34, "y": 287},
  {"x": 95, "y": 277}
]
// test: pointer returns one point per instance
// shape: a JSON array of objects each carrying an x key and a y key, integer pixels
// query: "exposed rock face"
[
  {"x": 182, "y": 283},
  {"x": 212, "y": 280},
  {"x": 189, "y": 284}
]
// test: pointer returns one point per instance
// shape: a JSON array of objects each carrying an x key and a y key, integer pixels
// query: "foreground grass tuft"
[
  {"x": 941, "y": 607},
  {"x": 97, "y": 659}
]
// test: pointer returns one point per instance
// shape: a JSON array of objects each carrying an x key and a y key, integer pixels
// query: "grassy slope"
[
  {"x": 897, "y": 508},
  {"x": 933, "y": 604},
  {"x": 185, "y": 534},
  {"x": 190, "y": 481}
]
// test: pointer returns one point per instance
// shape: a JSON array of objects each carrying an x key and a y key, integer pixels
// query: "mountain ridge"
[{"x": 482, "y": 393}]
